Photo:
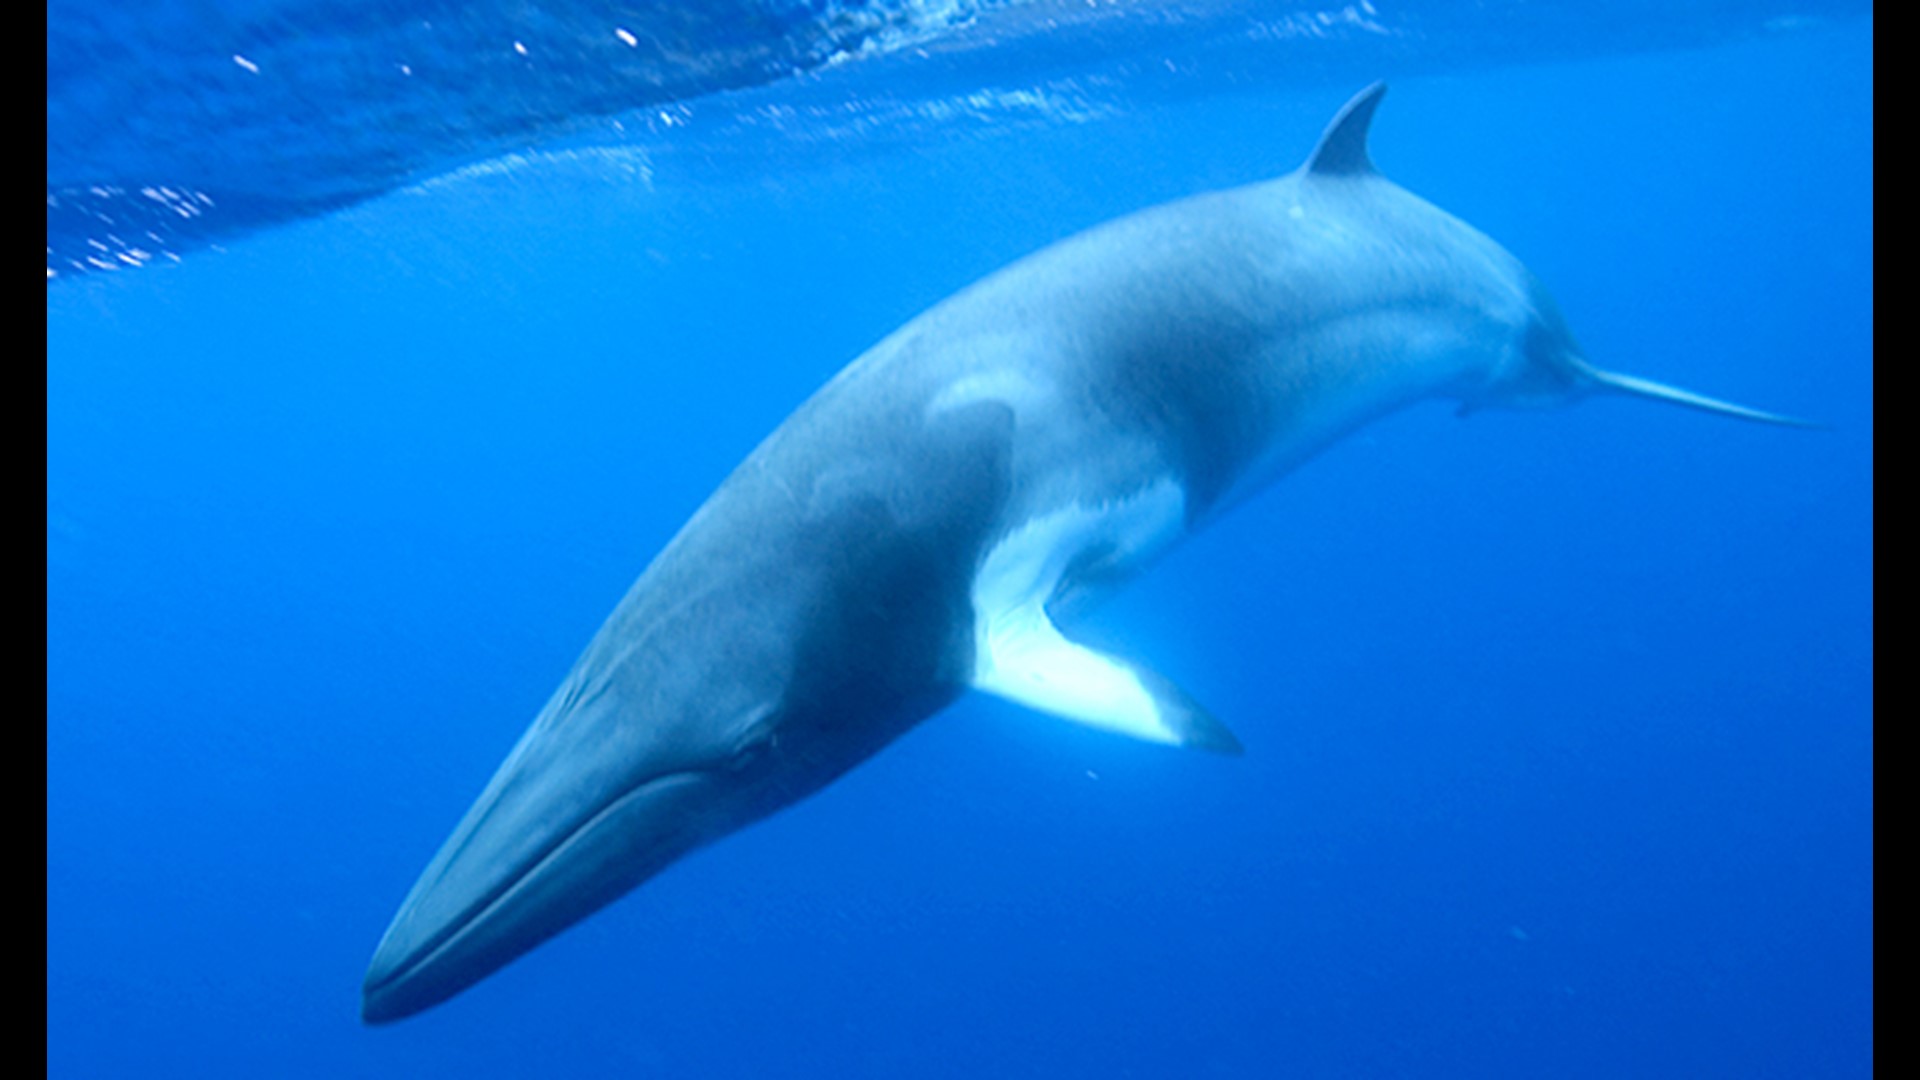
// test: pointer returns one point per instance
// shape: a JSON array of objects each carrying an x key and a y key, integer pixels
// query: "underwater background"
[{"x": 367, "y": 402}]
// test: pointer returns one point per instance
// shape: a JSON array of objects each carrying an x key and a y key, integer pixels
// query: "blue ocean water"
[{"x": 1558, "y": 725}]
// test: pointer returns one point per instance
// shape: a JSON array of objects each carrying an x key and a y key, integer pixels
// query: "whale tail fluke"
[{"x": 1634, "y": 386}]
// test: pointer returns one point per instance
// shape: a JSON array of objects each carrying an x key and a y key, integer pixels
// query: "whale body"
[{"x": 927, "y": 521}]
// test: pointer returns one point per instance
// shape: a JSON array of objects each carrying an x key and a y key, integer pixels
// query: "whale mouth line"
[{"x": 478, "y": 911}]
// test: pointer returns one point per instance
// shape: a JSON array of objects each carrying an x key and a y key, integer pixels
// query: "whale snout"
[{"x": 491, "y": 895}]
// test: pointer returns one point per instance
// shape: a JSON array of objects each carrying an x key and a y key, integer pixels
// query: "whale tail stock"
[{"x": 1342, "y": 154}]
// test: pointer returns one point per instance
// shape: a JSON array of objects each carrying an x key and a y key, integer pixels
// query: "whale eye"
[{"x": 757, "y": 736}]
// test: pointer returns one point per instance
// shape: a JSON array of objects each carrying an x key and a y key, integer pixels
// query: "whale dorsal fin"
[{"x": 1343, "y": 148}]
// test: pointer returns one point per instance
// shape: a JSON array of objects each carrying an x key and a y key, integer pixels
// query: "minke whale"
[{"x": 932, "y": 519}]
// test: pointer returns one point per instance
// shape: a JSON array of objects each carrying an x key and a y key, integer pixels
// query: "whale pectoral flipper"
[{"x": 1032, "y": 663}]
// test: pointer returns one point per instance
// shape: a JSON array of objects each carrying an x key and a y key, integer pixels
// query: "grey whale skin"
[{"x": 922, "y": 523}]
